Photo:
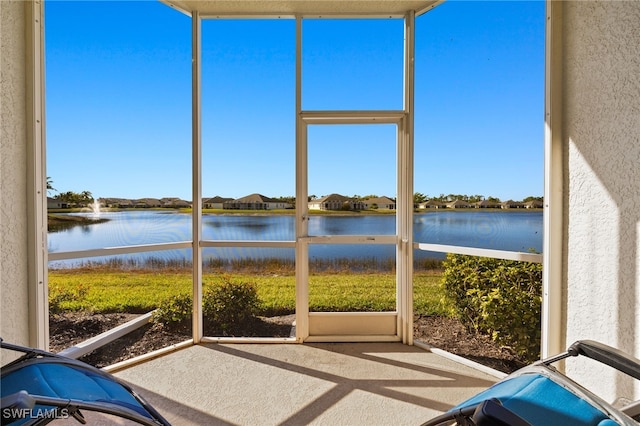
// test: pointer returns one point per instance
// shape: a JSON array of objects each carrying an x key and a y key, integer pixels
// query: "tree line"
[
  {"x": 70, "y": 197},
  {"x": 85, "y": 197},
  {"x": 419, "y": 197}
]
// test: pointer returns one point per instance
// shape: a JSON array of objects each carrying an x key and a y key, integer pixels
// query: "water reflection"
[{"x": 511, "y": 231}]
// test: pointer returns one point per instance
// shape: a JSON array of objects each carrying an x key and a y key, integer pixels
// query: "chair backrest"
[{"x": 46, "y": 384}]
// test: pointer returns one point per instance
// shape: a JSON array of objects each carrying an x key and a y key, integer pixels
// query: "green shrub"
[
  {"x": 502, "y": 298},
  {"x": 174, "y": 311},
  {"x": 227, "y": 304}
]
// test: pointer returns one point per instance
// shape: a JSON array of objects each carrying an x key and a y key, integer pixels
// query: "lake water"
[{"x": 511, "y": 231}]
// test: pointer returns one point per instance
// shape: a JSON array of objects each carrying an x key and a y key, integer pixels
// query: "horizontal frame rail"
[
  {"x": 288, "y": 15},
  {"x": 320, "y": 239},
  {"x": 352, "y": 117},
  {"x": 248, "y": 243},
  {"x": 472, "y": 251},
  {"x": 111, "y": 251},
  {"x": 351, "y": 239}
]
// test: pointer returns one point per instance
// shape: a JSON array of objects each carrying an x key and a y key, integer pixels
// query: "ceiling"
[{"x": 308, "y": 8}]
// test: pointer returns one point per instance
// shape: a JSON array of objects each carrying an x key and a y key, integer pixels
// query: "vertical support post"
[
  {"x": 404, "y": 274},
  {"x": 36, "y": 177},
  {"x": 196, "y": 173},
  {"x": 302, "y": 208},
  {"x": 553, "y": 254}
]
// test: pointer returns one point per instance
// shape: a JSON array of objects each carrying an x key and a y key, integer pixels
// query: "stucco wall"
[
  {"x": 601, "y": 132},
  {"x": 14, "y": 319}
]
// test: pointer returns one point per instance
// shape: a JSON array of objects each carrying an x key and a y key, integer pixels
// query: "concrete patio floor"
[{"x": 292, "y": 384}]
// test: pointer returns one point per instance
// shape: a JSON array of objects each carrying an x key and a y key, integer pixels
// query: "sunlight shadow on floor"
[{"x": 332, "y": 383}]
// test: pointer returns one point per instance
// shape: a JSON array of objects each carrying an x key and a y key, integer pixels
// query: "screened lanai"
[
  {"x": 382, "y": 127},
  {"x": 326, "y": 326},
  {"x": 589, "y": 210}
]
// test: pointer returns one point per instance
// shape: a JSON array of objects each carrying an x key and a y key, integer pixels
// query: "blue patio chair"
[
  {"x": 540, "y": 395},
  {"x": 40, "y": 387}
]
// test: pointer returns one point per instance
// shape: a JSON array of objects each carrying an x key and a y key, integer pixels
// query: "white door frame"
[{"x": 351, "y": 326}]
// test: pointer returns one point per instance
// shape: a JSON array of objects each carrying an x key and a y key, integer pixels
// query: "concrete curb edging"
[
  {"x": 464, "y": 361},
  {"x": 109, "y": 336}
]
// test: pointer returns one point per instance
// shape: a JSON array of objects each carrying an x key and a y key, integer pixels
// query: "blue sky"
[{"x": 118, "y": 99}]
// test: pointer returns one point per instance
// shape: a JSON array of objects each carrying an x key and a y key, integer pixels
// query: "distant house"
[
  {"x": 533, "y": 204},
  {"x": 54, "y": 203},
  {"x": 174, "y": 203},
  {"x": 486, "y": 204},
  {"x": 116, "y": 203},
  {"x": 335, "y": 202},
  {"x": 108, "y": 202},
  {"x": 458, "y": 204},
  {"x": 431, "y": 204},
  {"x": 147, "y": 203},
  {"x": 256, "y": 202},
  {"x": 216, "y": 202},
  {"x": 379, "y": 203},
  {"x": 510, "y": 204}
]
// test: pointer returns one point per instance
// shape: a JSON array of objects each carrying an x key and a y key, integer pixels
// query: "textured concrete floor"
[{"x": 292, "y": 384}]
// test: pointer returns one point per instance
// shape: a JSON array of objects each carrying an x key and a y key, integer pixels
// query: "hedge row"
[{"x": 502, "y": 298}]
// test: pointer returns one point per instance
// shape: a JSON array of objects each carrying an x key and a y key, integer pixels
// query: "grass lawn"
[{"x": 141, "y": 291}]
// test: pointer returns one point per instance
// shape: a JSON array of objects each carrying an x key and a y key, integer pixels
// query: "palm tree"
[
  {"x": 86, "y": 196},
  {"x": 50, "y": 185}
]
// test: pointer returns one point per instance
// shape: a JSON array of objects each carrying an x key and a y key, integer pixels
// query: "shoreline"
[
  {"x": 58, "y": 222},
  {"x": 229, "y": 212}
]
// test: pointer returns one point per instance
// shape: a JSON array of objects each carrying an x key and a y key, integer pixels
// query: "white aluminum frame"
[
  {"x": 37, "y": 270},
  {"x": 553, "y": 324},
  {"x": 403, "y": 119},
  {"x": 473, "y": 251},
  {"x": 404, "y": 203},
  {"x": 404, "y": 216},
  {"x": 404, "y": 226},
  {"x": 196, "y": 176},
  {"x": 370, "y": 326}
]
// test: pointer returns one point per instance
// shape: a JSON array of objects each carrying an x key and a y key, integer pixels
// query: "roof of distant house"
[{"x": 256, "y": 198}]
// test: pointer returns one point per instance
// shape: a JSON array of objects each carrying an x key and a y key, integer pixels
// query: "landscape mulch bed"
[{"x": 444, "y": 333}]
